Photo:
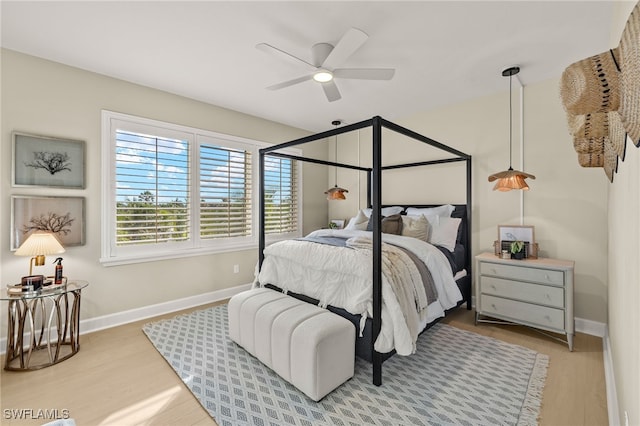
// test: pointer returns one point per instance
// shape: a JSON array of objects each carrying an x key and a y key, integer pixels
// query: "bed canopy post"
[
  {"x": 377, "y": 247},
  {"x": 261, "y": 204},
  {"x": 469, "y": 264}
]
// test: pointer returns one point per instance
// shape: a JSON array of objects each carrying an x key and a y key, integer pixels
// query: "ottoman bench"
[{"x": 309, "y": 347}]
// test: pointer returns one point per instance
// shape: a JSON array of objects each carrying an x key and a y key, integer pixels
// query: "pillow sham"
[
  {"x": 443, "y": 211},
  {"x": 386, "y": 211},
  {"x": 358, "y": 223},
  {"x": 390, "y": 224},
  {"x": 416, "y": 227},
  {"x": 445, "y": 233}
]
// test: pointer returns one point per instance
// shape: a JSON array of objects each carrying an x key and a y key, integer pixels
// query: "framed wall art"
[
  {"x": 516, "y": 233},
  {"x": 63, "y": 216},
  {"x": 46, "y": 161}
]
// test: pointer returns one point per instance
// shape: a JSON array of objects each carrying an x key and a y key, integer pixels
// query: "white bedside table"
[{"x": 534, "y": 292}]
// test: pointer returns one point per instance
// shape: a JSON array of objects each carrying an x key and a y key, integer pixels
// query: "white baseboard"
[
  {"x": 592, "y": 328},
  {"x": 610, "y": 380},
  {"x": 112, "y": 320}
]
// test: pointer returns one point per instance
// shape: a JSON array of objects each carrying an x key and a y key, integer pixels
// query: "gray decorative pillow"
[
  {"x": 416, "y": 227},
  {"x": 390, "y": 224}
]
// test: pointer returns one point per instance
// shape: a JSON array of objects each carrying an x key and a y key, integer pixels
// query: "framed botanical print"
[
  {"x": 63, "y": 216},
  {"x": 46, "y": 161}
]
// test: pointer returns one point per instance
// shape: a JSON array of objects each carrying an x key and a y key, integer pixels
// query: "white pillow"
[
  {"x": 386, "y": 211},
  {"x": 446, "y": 232},
  {"x": 358, "y": 223},
  {"x": 442, "y": 211},
  {"x": 416, "y": 227}
]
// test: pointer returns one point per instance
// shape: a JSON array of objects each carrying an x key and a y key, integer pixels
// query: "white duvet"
[{"x": 341, "y": 277}]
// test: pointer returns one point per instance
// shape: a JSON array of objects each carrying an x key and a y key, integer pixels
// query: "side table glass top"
[{"x": 48, "y": 291}]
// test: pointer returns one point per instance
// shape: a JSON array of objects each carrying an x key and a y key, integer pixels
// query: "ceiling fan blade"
[
  {"x": 365, "y": 73},
  {"x": 267, "y": 48},
  {"x": 331, "y": 91},
  {"x": 348, "y": 44},
  {"x": 290, "y": 82}
]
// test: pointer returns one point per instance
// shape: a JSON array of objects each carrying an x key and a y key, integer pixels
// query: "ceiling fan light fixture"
[{"x": 323, "y": 76}]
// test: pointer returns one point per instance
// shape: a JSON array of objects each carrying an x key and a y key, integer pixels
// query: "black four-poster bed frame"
[{"x": 374, "y": 200}]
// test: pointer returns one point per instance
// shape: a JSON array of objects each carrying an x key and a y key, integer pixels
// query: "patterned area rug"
[{"x": 456, "y": 377}]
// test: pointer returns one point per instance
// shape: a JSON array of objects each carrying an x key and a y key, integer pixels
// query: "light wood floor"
[{"x": 118, "y": 378}]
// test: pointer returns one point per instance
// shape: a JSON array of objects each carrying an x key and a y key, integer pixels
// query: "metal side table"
[{"x": 43, "y": 327}]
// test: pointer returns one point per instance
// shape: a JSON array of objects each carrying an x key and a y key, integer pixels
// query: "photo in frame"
[
  {"x": 47, "y": 161},
  {"x": 516, "y": 233},
  {"x": 63, "y": 216},
  {"x": 336, "y": 224},
  {"x": 510, "y": 233}
]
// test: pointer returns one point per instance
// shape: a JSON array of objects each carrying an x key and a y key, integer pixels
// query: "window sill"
[{"x": 160, "y": 256}]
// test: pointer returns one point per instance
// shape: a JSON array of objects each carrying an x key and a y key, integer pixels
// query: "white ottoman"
[{"x": 310, "y": 347}]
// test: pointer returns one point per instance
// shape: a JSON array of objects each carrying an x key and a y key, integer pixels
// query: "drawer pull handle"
[
  {"x": 493, "y": 305},
  {"x": 547, "y": 317},
  {"x": 548, "y": 296},
  {"x": 547, "y": 277}
]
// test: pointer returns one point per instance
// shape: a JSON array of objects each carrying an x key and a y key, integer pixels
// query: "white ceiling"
[{"x": 443, "y": 52}]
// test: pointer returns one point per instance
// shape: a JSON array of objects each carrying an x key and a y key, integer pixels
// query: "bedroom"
[{"x": 577, "y": 213}]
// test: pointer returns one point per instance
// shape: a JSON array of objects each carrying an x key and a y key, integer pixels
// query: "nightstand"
[{"x": 534, "y": 292}]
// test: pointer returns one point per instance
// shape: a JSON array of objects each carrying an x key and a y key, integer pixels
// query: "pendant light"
[
  {"x": 336, "y": 193},
  {"x": 510, "y": 179}
]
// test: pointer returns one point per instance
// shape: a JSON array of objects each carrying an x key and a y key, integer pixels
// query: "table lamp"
[{"x": 38, "y": 245}]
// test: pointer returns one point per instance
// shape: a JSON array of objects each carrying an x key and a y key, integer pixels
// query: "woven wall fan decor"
[
  {"x": 630, "y": 76},
  {"x": 590, "y": 93},
  {"x": 592, "y": 84},
  {"x": 599, "y": 139}
]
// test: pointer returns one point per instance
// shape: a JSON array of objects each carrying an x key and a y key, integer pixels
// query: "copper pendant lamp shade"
[
  {"x": 336, "y": 193},
  {"x": 510, "y": 179}
]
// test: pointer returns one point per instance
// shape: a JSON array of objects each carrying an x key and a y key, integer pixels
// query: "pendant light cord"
[{"x": 510, "y": 122}]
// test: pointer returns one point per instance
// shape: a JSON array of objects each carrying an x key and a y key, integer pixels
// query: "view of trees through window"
[{"x": 154, "y": 195}]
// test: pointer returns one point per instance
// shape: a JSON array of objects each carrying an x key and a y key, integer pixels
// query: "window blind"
[
  {"x": 151, "y": 189},
  {"x": 281, "y": 195},
  {"x": 225, "y": 192}
]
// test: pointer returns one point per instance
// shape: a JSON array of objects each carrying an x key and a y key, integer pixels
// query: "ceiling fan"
[{"x": 326, "y": 58}]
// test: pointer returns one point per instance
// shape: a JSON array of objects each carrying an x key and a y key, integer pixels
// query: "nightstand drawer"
[
  {"x": 526, "y": 292},
  {"x": 523, "y": 273},
  {"x": 549, "y": 318}
]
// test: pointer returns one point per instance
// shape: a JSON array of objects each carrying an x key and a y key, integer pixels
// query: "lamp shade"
[
  {"x": 336, "y": 193},
  {"x": 510, "y": 179},
  {"x": 40, "y": 243}
]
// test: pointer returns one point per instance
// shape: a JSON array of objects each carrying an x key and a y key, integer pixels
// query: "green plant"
[{"x": 516, "y": 247}]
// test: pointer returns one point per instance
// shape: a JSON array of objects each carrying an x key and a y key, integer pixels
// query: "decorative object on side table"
[
  {"x": 39, "y": 244},
  {"x": 336, "y": 224},
  {"x": 508, "y": 234},
  {"x": 517, "y": 250}
]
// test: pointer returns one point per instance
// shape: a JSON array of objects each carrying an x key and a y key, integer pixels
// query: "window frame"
[{"x": 112, "y": 255}]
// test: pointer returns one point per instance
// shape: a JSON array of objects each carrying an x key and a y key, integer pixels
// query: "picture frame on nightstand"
[{"x": 510, "y": 233}]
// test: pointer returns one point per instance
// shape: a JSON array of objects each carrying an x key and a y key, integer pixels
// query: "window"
[{"x": 173, "y": 191}]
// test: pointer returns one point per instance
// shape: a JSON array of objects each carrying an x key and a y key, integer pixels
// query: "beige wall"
[
  {"x": 47, "y": 98},
  {"x": 624, "y": 266},
  {"x": 567, "y": 204}
]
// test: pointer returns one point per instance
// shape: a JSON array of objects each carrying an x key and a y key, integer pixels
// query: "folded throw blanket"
[{"x": 405, "y": 279}]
